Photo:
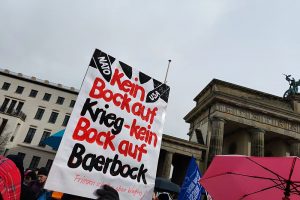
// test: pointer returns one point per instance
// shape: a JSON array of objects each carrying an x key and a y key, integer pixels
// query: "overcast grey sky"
[{"x": 246, "y": 42}]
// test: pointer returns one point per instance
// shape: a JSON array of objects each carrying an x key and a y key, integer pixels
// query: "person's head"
[
  {"x": 29, "y": 176},
  {"x": 107, "y": 192},
  {"x": 42, "y": 175}
]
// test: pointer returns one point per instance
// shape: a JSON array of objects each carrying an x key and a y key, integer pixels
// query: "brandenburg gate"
[{"x": 232, "y": 119}]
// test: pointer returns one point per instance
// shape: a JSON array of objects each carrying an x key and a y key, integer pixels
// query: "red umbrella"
[{"x": 253, "y": 178}]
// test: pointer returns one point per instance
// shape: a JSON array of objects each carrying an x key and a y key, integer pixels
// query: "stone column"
[
  {"x": 167, "y": 164},
  {"x": 216, "y": 140},
  {"x": 295, "y": 149},
  {"x": 295, "y": 101},
  {"x": 257, "y": 142}
]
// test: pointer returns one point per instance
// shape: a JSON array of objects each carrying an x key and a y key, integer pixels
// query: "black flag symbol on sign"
[
  {"x": 102, "y": 62},
  {"x": 126, "y": 69},
  {"x": 160, "y": 90}
]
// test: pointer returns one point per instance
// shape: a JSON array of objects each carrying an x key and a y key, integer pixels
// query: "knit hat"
[
  {"x": 43, "y": 171},
  {"x": 30, "y": 174}
]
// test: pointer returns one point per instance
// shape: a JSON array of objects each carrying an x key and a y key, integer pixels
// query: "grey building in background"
[{"x": 30, "y": 110}]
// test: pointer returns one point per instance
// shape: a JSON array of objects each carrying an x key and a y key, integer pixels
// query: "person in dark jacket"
[
  {"x": 29, "y": 176},
  {"x": 38, "y": 186}
]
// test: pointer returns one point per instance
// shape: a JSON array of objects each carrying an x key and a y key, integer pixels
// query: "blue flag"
[{"x": 191, "y": 188}]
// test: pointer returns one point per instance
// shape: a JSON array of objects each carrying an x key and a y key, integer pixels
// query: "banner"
[
  {"x": 191, "y": 188},
  {"x": 114, "y": 133}
]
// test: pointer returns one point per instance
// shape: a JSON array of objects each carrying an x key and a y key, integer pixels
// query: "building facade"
[
  {"x": 231, "y": 119},
  {"x": 31, "y": 110}
]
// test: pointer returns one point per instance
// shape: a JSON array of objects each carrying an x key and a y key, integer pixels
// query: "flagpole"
[
  {"x": 84, "y": 77},
  {"x": 167, "y": 72}
]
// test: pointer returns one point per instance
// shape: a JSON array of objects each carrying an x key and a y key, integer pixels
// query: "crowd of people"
[
  {"x": 16, "y": 183},
  {"x": 19, "y": 184}
]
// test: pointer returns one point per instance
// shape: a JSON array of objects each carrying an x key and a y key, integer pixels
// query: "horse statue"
[{"x": 293, "y": 89}]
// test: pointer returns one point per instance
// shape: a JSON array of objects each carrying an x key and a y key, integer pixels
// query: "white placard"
[{"x": 114, "y": 133}]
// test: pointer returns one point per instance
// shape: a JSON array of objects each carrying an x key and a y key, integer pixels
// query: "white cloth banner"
[{"x": 114, "y": 133}]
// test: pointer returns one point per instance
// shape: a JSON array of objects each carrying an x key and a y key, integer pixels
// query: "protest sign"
[{"x": 114, "y": 133}]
